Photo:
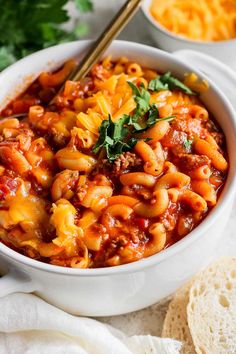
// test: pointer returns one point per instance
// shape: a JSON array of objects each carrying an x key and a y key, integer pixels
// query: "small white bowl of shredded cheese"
[{"x": 223, "y": 50}]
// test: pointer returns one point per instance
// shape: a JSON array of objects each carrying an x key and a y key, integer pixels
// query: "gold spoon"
[{"x": 99, "y": 46}]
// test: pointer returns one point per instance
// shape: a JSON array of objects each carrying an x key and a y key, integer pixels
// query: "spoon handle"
[
  {"x": 110, "y": 32},
  {"x": 99, "y": 46}
]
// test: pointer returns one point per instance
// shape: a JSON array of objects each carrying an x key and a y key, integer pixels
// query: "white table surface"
[{"x": 149, "y": 320}]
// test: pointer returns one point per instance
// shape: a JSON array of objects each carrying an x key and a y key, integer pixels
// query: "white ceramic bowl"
[
  {"x": 117, "y": 290},
  {"x": 222, "y": 50}
]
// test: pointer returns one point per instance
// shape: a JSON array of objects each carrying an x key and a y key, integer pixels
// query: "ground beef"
[
  {"x": 125, "y": 162},
  {"x": 99, "y": 72},
  {"x": 190, "y": 126},
  {"x": 211, "y": 126},
  {"x": 174, "y": 138},
  {"x": 219, "y": 138},
  {"x": 191, "y": 162}
]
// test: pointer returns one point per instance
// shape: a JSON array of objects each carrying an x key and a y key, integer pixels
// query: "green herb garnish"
[
  {"x": 84, "y": 5},
  {"x": 187, "y": 144},
  {"x": 153, "y": 116},
  {"x": 142, "y": 98},
  {"x": 157, "y": 85},
  {"x": 144, "y": 124},
  {"x": 29, "y": 25},
  {"x": 116, "y": 137},
  {"x": 113, "y": 138},
  {"x": 152, "y": 119},
  {"x": 169, "y": 82}
]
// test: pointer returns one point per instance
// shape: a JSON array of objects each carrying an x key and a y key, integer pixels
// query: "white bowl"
[
  {"x": 129, "y": 287},
  {"x": 222, "y": 50}
]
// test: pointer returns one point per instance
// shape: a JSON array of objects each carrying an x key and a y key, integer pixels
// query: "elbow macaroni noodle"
[{"x": 65, "y": 205}]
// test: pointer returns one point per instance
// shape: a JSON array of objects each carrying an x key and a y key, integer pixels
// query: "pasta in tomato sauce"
[{"x": 123, "y": 164}]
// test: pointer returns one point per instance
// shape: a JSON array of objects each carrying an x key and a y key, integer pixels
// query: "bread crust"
[
  {"x": 211, "y": 311},
  {"x": 175, "y": 324}
]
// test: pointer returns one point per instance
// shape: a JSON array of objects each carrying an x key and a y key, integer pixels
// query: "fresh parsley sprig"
[
  {"x": 169, "y": 82},
  {"x": 142, "y": 98},
  {"x": 113, "y": 137},
  {"x": 30, "y": 25},
  {"x": 84, "y": 5},
  {"x": 187, "y": 144},
  {"x": 146, "y": 123},
  {"x": 116, "y": 137}
]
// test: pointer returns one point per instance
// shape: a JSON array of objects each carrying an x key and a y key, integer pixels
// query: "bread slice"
[
  {"x": 211, "y": 311},
  {"x": 175, "y": 324}
]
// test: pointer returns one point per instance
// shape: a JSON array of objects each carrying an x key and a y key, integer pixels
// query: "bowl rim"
[
  {"x": 174, "y": 36},
  {"x": 148, "y": 262}
]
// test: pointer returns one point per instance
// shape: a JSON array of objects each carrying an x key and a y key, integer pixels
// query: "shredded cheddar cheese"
[{"x": 202, "y": 20}]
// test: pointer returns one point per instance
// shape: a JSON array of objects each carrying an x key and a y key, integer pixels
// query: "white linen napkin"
[{"x": 29, "y": 325}]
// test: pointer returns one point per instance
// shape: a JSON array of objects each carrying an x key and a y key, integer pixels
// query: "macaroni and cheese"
[{"x": 122, "y": 165}]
